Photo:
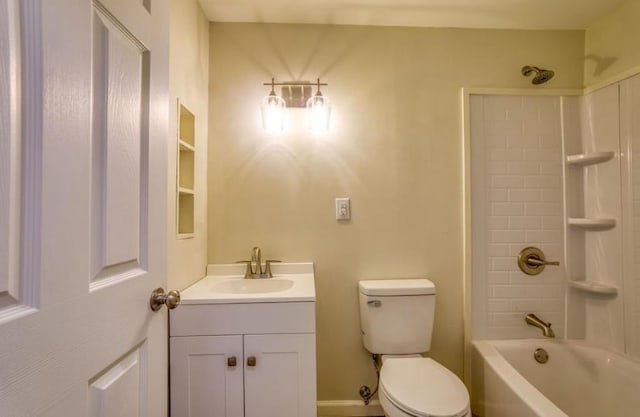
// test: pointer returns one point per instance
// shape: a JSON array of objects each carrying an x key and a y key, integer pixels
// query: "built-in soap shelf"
[
  {"x": 594, "y": 287},
  {"x": 584, "y": 159},
  {"x": 591, "y": 223}
]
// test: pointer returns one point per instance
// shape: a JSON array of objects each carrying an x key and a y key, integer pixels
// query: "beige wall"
[
  {"x": 394, "y": 148},
  {"x": 189, "y": 75},
  {"x": 612, "y": 45}
]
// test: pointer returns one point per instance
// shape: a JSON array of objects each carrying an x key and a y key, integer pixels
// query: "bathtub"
[{"x": 577, "y": 381}]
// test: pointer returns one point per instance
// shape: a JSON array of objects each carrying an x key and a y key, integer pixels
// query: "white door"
[{"x": 83, "y": 132}]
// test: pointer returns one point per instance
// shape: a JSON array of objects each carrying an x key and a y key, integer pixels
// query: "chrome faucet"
[
  {"x": 533, "y": 320},
  {"x": 256, "y": 258},
  {"x": 257, "y": 272}
]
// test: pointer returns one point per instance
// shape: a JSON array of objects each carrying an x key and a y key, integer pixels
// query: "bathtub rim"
[{"x": 529, "y": 394}]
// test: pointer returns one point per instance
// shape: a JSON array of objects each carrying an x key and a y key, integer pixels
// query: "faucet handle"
[
  {"x": 248, "y": 272},
  {"x": 268, "y": 268}
]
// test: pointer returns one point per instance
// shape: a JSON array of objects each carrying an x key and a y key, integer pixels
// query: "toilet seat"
[{"x": 423, "y": 388}]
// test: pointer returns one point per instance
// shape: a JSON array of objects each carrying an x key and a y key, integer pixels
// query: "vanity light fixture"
[
  {"x": 319, "y": 111},
  {"x": 296, "y": 94},
  {"x": 272, "y": 108}
]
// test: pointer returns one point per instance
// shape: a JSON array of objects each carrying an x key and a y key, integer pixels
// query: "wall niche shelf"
[
  {"x": 183, "y": 190},
  {"x": 185, "y": 172},
  {"x": 184, "y": 146},
  {"x": 584, "y": 159},
  {"x": 594, "y": 287},
  {"x": 591, "y": 223}
]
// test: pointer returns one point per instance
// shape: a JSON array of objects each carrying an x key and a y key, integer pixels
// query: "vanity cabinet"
[
  {"x": 202, "y": 382},
  {"x": 243, "y": 360}
]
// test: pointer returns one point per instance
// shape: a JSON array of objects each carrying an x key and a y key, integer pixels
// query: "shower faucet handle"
[
  {"x": 538, "y": 262},
  {"x": 532, "y": 261}
]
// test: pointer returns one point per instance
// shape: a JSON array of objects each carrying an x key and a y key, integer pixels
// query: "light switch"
[{"x": 343, "y": 209}]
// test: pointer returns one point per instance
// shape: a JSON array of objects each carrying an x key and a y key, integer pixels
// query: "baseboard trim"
[{"x": 349, "y": 408}]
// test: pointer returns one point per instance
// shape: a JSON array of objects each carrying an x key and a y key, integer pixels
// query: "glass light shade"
[
  {"x": 319, "y": 113},
  {"x": 273, "y": 113}
]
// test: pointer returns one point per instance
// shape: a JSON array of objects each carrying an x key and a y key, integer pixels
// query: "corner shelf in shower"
[
  {"x": 584, "y": 159},
  {"x": 591, "y": 223},
  {"x": 594, "y": 287}
]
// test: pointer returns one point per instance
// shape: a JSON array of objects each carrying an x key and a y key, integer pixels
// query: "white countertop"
[{"x": 295, "y": 282}]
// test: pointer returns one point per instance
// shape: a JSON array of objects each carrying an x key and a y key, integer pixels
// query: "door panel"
[
  {"x": 119, "y": 83},
  {"x": 202, "y": 382},
  {"x": 116, "y": 391},
  {"x": 80, "y": 352},
  {"x": 283, "y": 381},
  {"x": 10, "y": 177}
]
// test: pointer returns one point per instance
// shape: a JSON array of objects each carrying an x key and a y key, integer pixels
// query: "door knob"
[
  {"x": 251, "y": 361},
  {"x": 158, "y": 298},
  {"x": 232, "y": 362}
]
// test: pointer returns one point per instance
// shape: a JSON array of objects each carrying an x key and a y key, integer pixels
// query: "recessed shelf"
[
  {"x": 185, "y": 210},
  {"x": 591, "y": 223},
  {"x": 185, "y": 213},
  {"x": 184, "y": 146},
  {"x": 187, "y": 124},
  {"x": 584, "y": 159},
  {"x": 594, "y": 287}
]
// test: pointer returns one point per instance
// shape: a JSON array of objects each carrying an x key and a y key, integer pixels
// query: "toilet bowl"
[
  {"x": 421, "y": 387},
  {"x": 396, "y": 319}
]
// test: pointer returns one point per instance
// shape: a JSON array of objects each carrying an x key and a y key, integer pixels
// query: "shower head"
[{"x": 541, "y": 77}]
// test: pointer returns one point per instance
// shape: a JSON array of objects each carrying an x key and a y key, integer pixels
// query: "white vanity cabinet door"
[
  {"x": 202, "y": 382},
  {"x": 283, "y": 381}
]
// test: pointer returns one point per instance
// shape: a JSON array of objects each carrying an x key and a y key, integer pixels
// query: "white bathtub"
[{"x": 578, "y": 380}]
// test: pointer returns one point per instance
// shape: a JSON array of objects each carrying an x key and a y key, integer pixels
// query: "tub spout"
[{"x": 533, "y": 320}]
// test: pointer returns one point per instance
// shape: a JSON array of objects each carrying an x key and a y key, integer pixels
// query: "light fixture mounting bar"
[{"x": 297, "y": 83}]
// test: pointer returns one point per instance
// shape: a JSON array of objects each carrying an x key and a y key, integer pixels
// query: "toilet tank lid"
[{"x": 390, "y": 287}]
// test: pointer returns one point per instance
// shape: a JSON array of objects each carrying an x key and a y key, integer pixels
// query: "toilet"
[{"x": 396, "y": 319}]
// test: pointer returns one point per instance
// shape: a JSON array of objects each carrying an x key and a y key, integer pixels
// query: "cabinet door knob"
[
  {"x": 251, "y": 361},
  {"x": 232, "y": 362}
]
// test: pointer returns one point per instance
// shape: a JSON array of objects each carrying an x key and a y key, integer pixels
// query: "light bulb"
[
  {"x": 273, "y": 113},
  {"x": 319, "y": 113}
]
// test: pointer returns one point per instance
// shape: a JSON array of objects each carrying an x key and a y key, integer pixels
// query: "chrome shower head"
[{"x": 541, "y": 77}]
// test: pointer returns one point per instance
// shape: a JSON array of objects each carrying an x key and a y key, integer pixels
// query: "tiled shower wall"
[{"x": 517, "y": 201}]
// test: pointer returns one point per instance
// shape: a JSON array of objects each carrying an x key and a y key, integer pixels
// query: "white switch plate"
[{"x": 343, "y": 209}]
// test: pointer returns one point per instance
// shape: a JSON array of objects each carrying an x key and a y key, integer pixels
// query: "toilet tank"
[{"x": 396, "y": 316}]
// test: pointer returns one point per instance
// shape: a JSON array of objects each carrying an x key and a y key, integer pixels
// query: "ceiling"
[{"x": 503, "y": 14}]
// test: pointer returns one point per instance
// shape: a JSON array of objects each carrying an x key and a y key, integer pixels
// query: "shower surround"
[
  {"x": 517, "y": 195},
  {"x": 561, "y": 173}
]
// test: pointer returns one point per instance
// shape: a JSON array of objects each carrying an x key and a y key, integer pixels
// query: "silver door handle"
[{"x": 159, "y": 298}]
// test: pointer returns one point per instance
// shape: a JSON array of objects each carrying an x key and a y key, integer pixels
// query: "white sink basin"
[
  {"x": 252, "y": 286},
  {"x": 225, "y": 284}
]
